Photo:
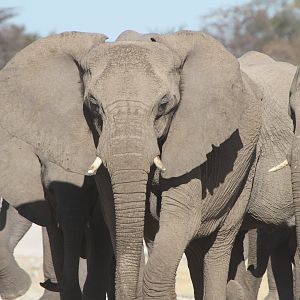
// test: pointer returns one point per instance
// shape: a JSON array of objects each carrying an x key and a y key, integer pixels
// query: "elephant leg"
[
  {"x": 273, "y": 293},
  {"x": 57, "y": 251},
  {"x": 297, "y": 274},
  {"x": 237, "y": 269},
  {"x": 282, "y": 270},
  {"x": 50, "y": 283},
  {"x": 14, "y": 281},
  {"x": 195, "y": 258},
  {"x": 99, "y": 258},
  {"x": 246, "y": 279},
  {"x": 216, "y": 265},
  {"x": 160, "y": 271},
  {"x": 176, "y": 229},
  {"x": 72, "y": 240}
]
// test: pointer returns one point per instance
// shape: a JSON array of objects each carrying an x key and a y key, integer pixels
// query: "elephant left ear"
[
  {"x": 212, "y": 100},
  {"x": 41, "y": 99}
]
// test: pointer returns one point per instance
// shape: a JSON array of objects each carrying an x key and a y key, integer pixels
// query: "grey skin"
[
  {"x": 14, "y": 281},
  {"x": 271, "y": 204},
  {"x": 137, "y": 92},
  {"x": 42, "y": 120},
  {"x": 193, "y": 205},
  {"x": 271, "y": 207},
  {"x": 269, "y": 195}
]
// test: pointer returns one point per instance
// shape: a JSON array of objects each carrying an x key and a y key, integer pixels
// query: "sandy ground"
[{"x": 29, "y": 256}]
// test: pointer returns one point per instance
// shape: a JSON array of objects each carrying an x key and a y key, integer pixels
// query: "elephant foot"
[
  {"x": 50, "y": 286},
  {"x": 50, "y": 295},
  {"x": 14, "y": 283},
  {"x": 272, "y": 295},
  {"x": 234, "y": 291}
]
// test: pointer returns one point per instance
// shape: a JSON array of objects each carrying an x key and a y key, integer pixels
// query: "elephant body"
[{"x": 270, "y": 207}]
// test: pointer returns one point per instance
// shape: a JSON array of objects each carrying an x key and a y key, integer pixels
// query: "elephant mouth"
[{"x": 98, "y": 161}]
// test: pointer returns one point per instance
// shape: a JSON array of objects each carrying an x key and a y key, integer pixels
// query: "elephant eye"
[
  {"x": 95, "y": 106},
  {"x": 163, "y": 106},
  {"x": 166, "y": 105}
]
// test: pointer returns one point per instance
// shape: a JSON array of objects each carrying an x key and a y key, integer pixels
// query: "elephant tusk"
[
  {"x": 159, "y": 164},
  {"x": 280, "y": 166},
  {"x": 95, "y": 166}
]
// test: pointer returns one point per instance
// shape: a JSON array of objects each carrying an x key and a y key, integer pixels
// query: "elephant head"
[{"x": 183, "y": 88}]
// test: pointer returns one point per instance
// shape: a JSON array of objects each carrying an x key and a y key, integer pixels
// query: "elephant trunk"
[
  {"x": 128, "y": 146},
  {"x": 129, "y": 188}
]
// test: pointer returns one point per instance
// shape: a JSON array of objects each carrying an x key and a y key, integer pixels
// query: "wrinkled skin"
[
  {"x": 181, "y": 208},
  {"x": 271, "y": 208},
  {"x": 136, "y": 95}
]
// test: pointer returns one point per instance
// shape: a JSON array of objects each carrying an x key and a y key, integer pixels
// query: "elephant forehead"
[{"x": 138, "y": 55}]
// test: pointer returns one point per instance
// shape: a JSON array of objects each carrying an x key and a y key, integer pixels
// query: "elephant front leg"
[
  {"x": 195, "y": 257},
  {"x": 176, "y": 229},
  {"x": 14, "y": 281},
  {"x": 282, "y": 271},
  {"x": 100, "y": 258},
  {"x": 216, "y": 267}
]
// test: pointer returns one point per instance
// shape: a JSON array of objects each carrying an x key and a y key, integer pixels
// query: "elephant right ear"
[
  {"x": 213, "y": 99},
  {"x": 41, "y": 99}
]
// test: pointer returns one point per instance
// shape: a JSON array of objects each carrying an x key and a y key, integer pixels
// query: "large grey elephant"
[
  {"x": 180, "y": 96},
  {"x": 201, "y": 183},
  {"x": 271, "y": 206},
  {"x": 42, "y": 121}
]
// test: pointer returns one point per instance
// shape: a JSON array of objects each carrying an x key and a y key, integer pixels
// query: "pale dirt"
[{"x": 29, "y": 256}]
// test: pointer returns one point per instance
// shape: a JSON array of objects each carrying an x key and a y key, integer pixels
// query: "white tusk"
[
  {"x": 95, "y": 166},
  {"x": 159, "y": 164},
  {"x": 280, "y": 166}
]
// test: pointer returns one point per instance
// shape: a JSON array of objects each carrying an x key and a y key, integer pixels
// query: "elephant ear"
[
  {"x": 41, "y": 98},
  {"x": 212, "y": 100}
]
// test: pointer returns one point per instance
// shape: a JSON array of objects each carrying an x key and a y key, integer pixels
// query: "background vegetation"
[
  {"x": 12, "y": 37},
  {"x": 269, "y": 26}
]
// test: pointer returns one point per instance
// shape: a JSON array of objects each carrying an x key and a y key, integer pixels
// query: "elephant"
[
  {"x": 268, "y": 206},
  {"x": 200, "y": 180},
  {"x": 130, "y": 105},
  {"x": 40, "y": 125}
]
